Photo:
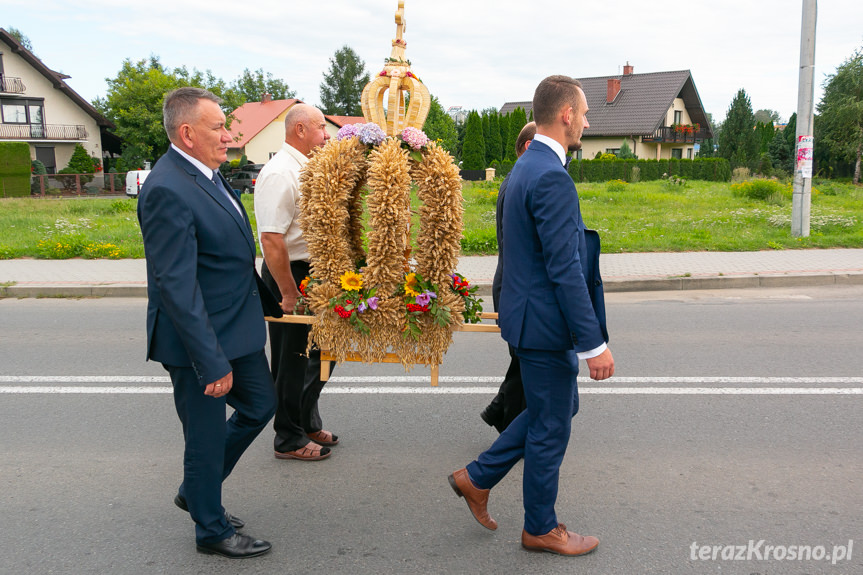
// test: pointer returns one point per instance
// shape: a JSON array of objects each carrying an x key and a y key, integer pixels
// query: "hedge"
[
  {"x": 14, "y": 169},
  {"x": 710, "y": 169}
]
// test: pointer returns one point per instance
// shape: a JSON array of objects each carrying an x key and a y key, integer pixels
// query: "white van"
[{"x": 134, "y": 181}]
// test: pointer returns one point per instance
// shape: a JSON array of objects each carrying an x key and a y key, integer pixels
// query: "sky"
[{"x": 475, "y": 54}]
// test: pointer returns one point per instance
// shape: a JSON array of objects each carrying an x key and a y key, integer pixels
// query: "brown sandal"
[
  {"x": 323, "y": 437},
  {"x": 310, "y": 452}
]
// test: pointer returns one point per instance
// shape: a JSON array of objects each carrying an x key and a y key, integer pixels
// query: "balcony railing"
[
  {"x": 669, "y": 135},
  {"x": 40, "y": 132},
  {"x": 10, "y": 85}
]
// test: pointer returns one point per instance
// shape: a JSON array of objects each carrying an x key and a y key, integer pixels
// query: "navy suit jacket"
[
  {"x": 551, "y": 294},
  {"x": 204, "y": 303}
]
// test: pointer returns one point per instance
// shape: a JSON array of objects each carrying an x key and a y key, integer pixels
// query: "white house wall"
[{"x": 58, "y": 108}]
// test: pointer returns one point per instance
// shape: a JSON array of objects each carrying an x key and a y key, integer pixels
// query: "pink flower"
[{"x": 414, "y": 138}]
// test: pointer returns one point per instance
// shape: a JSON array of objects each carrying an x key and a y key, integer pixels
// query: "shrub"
[
  {"x": 615, "y": 186},
  {"x": 15, "y": 169},
  {"x": 758, "y": 189}
]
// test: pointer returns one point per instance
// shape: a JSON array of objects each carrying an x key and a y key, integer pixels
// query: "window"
[
  {"x": 689, "y": 153},
  {"x": 615, "y": 151},
  {"x": 14, "y": 113},
  {"x": 678, "y": 117},
  {"x": 578, "y": 155},
  {"x": 676, "y": 153}
]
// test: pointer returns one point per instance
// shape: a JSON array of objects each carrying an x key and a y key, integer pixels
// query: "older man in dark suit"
[
  {"x": 205, "y": 322},
  {"x": 552, "y": 312}
]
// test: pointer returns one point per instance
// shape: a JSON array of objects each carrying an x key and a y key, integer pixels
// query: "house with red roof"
[{"x": 258, "y": 128}]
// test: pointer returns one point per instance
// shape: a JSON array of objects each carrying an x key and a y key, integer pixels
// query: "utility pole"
[{"x": 802, "y": 197}]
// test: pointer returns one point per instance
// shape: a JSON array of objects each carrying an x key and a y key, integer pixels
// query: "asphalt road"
[{"x": 721, "y": 428}]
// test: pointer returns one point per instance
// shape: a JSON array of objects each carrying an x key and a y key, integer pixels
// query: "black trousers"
[
  {"x": 297, "y": 376},
  {"x": 509, "y": 401}
]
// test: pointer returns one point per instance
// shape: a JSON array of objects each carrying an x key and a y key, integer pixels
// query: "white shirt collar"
[
  {"x": 554, "y": 145},
  {"x": 195, "y": 162},
  {"x": 295, "y": 153}
]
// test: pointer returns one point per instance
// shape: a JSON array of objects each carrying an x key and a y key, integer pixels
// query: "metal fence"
[{"x": 77, "y": 184}]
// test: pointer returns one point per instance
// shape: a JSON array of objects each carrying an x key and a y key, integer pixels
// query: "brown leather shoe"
[
  {"x": 477, "y": 499},
  {"x": 324, "y": 438},
  {"x": 310, "y": 452},
  {"x": 559, "y": 541}
]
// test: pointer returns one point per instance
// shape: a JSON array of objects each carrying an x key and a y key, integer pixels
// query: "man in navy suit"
[
  {"x": 205, "y": 322},
  {"x": 552, "y": 312}
]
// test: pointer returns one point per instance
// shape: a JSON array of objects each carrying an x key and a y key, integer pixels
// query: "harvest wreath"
[{"x": 369, "y": 303}]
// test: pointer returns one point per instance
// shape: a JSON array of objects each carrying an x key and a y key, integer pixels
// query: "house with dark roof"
[
  {"x": 38, "y": 107},
  {"x": 658, "y": 114},
  {"x": 258, "y": 128}
]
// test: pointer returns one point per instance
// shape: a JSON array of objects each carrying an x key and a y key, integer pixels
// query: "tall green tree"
[
  {"x": 516, "y": 122},
  {"x": 765, "y": 135},
  {"x": 342, "y": 88},
  {"x": 440, "y": 127},
  {"x": 503, "y": 122},
  {"x": 473, "y": 150},
  {"x": 841, "y": 112},
  {"x": 739, "y": 142},
  {"x": 492, "y": 143},
  {"x": 134, "y": 103},
  {"x": 485, "y": 135},
  {"x": 251, "y": 86},
  {"x": 780, "y": 151}
]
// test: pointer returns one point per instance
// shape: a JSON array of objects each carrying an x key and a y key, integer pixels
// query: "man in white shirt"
[{"x": 298, "y": 426}]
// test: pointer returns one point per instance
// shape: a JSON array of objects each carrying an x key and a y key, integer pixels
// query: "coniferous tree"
[
  {"x": 493, "y": 144},
  {"x": 343, "y": 84},
  {"x": 486, "y": 126},
  {"x": 440, "y": 127},
  {"x": 780, "y": 152},
  {"x": 503, "y": 121},
  {"x": 739, "y": 142},
  {"x": 473, "y": 150},
  {"x": 516, "y": 122}
]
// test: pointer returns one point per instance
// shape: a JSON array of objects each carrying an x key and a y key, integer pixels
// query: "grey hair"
[{"x": 181, "y": 105}]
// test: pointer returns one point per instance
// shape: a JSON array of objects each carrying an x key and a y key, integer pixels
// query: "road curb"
[{"x": 612, "y": 285}]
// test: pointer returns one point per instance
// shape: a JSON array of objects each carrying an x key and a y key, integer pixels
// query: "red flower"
[{"x": 417, "y": 307}]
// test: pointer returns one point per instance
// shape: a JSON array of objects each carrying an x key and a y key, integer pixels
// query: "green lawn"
[{"x": 642, "y": 217}]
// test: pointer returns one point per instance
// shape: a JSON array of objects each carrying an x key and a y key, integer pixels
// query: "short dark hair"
[
  {"x": 527, "y": 133},
  {"x": 551, "y": 96},
  {"x": 180, "y": 107}
]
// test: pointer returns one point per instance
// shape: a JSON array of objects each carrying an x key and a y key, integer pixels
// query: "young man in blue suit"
[
  {"x": 205, "y": 321},
  {"x": 552, "y": 312}
]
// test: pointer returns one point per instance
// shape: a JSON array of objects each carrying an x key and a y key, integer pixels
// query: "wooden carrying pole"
[{"x": 327, "y": 358}]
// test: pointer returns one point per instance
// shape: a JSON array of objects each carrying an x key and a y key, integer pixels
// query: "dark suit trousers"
[
  {"x": 540, "y": 435},
  {"x": 213, "y": 445},
  {"x": 297, "y": 376}
]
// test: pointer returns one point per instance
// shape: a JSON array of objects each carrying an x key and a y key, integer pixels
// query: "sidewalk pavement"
[{"x": 620, "y": 272}]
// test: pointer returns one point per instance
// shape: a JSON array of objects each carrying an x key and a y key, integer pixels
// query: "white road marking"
[{"x": 450, "y": 379}]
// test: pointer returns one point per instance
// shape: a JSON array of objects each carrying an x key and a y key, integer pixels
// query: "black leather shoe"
[
  {"x": 493, "y": 416},
  {"x": 238, "y": 523},
  {"x": 237, "y": 546}
]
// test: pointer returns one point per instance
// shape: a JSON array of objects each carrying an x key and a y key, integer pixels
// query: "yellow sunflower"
[
  {"x": 411, "y": 285},
  {"x": 351, "y": 281}
]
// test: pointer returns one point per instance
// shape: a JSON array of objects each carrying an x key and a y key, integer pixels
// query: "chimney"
[
  {"x": 627, "y": 70},
  {"x": 267, "y": 97},
  {"x": 613, "y": 90}
]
